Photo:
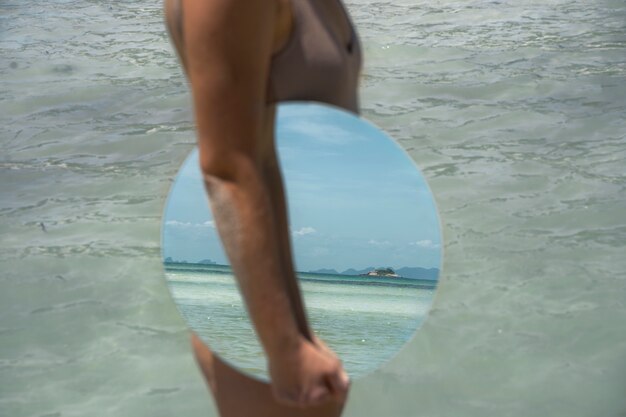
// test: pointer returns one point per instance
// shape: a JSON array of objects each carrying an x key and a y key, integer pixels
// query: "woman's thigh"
[{"x": 238, "y": 395}]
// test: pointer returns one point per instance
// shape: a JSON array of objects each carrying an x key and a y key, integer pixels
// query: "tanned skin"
[{"x": 225, "y": 48}]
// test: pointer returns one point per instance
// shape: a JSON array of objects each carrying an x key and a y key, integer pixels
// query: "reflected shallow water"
[{"x": 364, "y": 320}]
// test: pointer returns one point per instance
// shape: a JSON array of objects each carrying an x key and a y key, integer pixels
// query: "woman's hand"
[
  {"x": 307, "y": 374},
  {"x": 322, "y": 346}
]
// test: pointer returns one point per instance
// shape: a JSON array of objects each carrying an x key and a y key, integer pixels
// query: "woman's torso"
[
  {"x": 316, "y": 54},
  {"x": 322, "y": 58}
]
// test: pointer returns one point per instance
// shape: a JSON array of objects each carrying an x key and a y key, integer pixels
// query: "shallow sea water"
[
  {"x": 513, "y": 110},
  {"x": 365, "y": 321}
]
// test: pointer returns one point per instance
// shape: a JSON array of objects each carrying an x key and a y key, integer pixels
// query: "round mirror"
[{"x": 365, "y": 235}]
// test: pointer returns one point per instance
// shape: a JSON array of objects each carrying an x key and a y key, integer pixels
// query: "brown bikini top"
[{"x": 315, "y": 65}]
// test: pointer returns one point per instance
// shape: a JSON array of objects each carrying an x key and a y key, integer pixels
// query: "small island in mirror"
[{"x": 365, "y": 235}]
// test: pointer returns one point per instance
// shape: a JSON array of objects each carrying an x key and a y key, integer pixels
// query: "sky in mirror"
[{"x": 356, "y": 199}]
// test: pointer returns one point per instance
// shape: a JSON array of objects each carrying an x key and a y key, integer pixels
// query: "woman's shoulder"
[{"x": 235, "y": 25}]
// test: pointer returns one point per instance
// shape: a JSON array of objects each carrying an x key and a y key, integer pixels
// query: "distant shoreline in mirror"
[{"x": 417, "y": 273}]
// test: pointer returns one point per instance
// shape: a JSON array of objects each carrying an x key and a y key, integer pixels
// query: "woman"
[{"x": 241, "y": 58}]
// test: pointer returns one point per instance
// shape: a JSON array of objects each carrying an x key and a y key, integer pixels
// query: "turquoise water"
[
  {"x": 513, "y": 110},
  {"x": 366, "y": 321}
]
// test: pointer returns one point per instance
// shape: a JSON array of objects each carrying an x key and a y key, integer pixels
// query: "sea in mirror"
[{"x": 364, "y": 319}]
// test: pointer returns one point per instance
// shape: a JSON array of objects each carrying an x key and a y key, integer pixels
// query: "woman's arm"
[
  {"x": 227, "y": 45},
  {"x": 274, "y": 181}
]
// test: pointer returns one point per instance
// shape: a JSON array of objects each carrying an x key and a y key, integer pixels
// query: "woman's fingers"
[
  {"x": 317, "y": 395},
  {"x": 339, "y": 383},
  {"x": 308, "y": 376}
]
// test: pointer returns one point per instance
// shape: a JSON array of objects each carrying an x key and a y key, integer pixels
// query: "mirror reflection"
[{"x": 365, "y": 236}]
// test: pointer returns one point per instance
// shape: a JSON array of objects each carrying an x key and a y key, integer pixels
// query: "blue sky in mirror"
[{"x": 356, "y": 199}]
